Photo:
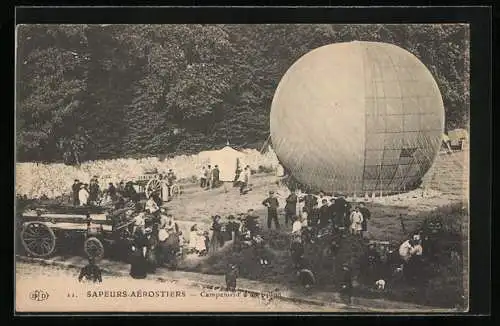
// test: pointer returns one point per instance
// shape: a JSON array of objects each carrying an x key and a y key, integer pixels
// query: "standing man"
[
  {"x": 242, "y": 181},
  {"x": 93, "y": 191},
  {"x": 321, "y": 196},
  {"x": 215, "y": 176},
  {"x": 272, "y": 205},
  {"x": 324, "y": 213},
  {"x": 331, "y": 209},
  {"x": 366, "y": 216},
  {"x": 121, "y": 187},
  {"x": 341, "y": 212},
  {"x": 203, "y": 177},
  {"x": 346, "y": 284},
  {"x": 310, "y": 203},
  {"x": 112, "y": 191},
  {"x": 291, "y": 207},
  {"x": 208, "y": 176},
  {"x": 76, "y": 189},
  {"x": 170, "y": 181}
]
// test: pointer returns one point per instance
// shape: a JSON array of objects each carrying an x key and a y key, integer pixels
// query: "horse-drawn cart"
[
  {"x": 42, "y": 228},
  {"x": 152, "y": 182}
]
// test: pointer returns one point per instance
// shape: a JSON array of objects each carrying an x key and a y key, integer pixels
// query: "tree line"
[{"x": 87, "y": 92}]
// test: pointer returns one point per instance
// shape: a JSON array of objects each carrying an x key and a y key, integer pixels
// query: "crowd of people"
[
  {"x": 158, "y": 240},
  {"x": 91, "y": 194},
  {"x": 314, "y": 215}
]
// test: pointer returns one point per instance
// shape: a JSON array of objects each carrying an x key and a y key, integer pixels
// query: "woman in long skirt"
[{"x": 139, "y": 263}]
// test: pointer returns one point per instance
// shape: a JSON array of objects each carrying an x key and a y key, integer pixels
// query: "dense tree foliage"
[{"x": 104, "y": 91}]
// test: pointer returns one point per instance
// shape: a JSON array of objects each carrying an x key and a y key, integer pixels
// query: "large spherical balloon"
[{"x": 357, "y": 117}]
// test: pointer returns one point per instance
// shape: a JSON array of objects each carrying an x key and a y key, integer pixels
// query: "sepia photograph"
[{"x": 242, "y": 168}]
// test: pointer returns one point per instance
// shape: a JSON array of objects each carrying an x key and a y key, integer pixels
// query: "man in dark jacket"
[
  {"x": 331, "y": 209},
  {"x": 346, "y": 284},
  {"x": 291, "y": 208},
  {"x": 93, "y": 191},
  {"x": 341, "y": 212},
  {"x": 310, "y": 202},
  {"x": 272, "y": 205},
  {"x": 208, "y": 172},
  {"x": 324, "y": 214},
  {"x": 231, "y": 277},
  {"x": 76, "y": 188},
  {"x": 366, "y": 216},
  {"x": 215, "y": 177},
  {"x": 112, "y": 191}
]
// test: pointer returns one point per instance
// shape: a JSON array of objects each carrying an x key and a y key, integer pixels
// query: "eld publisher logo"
[{"x": 39, "y": 295}]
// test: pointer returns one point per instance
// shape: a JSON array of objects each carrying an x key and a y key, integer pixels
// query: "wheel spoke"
[
  {"x": 45, "y": 247},
  {"x": 32, "y": 244},
  {"x": 30, "y": 231}
]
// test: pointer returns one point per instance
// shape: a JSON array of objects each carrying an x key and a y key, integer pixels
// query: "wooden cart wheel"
[
  {"x": 93, "y": 248},
  {"x": 38, "y": 239},
  {"x": 175, "y": 190},
  {"x": 153, "y": 185}
]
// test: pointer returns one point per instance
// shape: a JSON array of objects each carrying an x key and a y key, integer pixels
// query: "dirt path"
[
  {"x": 31, "y": 273},
  {"x": 66, "y": 294}
]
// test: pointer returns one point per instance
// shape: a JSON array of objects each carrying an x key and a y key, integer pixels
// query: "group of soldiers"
[
  {"x": 210, "y": 177},
  {"x": 319, "y": 211},
  {"x": 321, "y": 215}
]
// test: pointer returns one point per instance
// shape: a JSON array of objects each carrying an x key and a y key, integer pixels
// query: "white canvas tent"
[{"x": 227, "y": 159}]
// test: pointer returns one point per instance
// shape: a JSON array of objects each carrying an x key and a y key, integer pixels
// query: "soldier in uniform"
[
  {"x": 76, "y": 189},
  {"x": 231, "y": 277}
]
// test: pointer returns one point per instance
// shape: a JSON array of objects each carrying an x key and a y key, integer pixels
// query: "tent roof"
[{"x": 225, "y": 151}]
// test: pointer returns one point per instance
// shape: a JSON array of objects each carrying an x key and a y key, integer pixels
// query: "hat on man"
[{"x": 271, "y": 192}]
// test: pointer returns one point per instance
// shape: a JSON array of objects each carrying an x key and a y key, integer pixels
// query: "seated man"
[
  {"x": 306, "y": 278},
  {"x": 251, "y": 222},
  {"x": 90, "y": 272},
  {"x": 410, "y": 248},
  {"x": 410, "y": 252},
  {"x": 151, "y": 206}
]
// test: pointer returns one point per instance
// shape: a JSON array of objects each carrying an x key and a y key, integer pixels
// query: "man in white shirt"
[
  {"x": 139, "y": 223},
  {"x": 320, "y": 198},
  {"x": 410, "y": 248},
  {"x": 297, "y": 226}
]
